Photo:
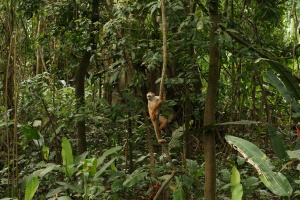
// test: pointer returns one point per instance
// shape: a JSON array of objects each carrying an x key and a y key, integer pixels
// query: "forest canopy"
[{"x": 149, "y": 99}]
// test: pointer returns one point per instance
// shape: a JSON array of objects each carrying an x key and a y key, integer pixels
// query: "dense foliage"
[{"x": 74, "y": 77}]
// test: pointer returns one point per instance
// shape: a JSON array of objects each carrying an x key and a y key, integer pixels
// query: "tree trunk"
[
  {"x": 210, "y": 106},
  {"x": 161, "y": 88},
  {"x": 39, "y": 62},
  {"x": 130, "y": 145},
  {"x": 80, "y": 76}
]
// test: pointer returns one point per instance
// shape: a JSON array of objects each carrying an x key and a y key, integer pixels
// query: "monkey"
[{"x": 153, "y": 104}]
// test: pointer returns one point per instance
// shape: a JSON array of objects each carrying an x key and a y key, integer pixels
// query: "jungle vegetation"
[{"x": 74, "y": 75}]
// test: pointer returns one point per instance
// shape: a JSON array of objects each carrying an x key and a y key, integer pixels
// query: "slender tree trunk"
[
  {"x": 188, "y": 105},
  {"x": 150, "y": 145},
  {"x": 15, "y": 129},
  {"x": 130, "y": 149},
  {"x": 264, "y": 105},
  {"x": 8, "y": 86},
  {"x": 80, "y": 77},
  {"x": 186, "y": 138},
  {"x": 39, "y": 63},
  {"x": 210, "y": 105},
  {"x": 161, "y": 88},
  {"x": 253, "y": 96}
]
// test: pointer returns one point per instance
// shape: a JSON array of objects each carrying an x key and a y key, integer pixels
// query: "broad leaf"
[
  {"x": 277, "y": 143},
  {"x": 55, "y": 191},
  {"x": 276, "y": 182},
  {"x": 208, "y": 127},
  {"x": 80, "y": 158},
  {"x": 30, "y": 132},
  {"x": 31, "y": 188},
  {"x": 70, "y": 187},
  {"x": 277, "y": 83},
  {"x": 192, "y": 166},
  {"x": 176, "y": 135},
  {"x": 90, "y": 165},
  {"x": 106, "y": 153},
  {"x": 179, "y": 194},
  {"x": 134, "y": 179},
  {"x": 237, "y": 192},
  {"x": 236, "y": 186},
  {"x": 289, "y": 80},
  {"x": 103, "y": 168},
  {"x": 235, "y": 177},
  {"x": 67, "y": 157},
  {"x": 49, "y": 168}
]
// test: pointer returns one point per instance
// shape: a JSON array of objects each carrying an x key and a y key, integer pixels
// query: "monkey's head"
[{"x": 150, "y": 96}]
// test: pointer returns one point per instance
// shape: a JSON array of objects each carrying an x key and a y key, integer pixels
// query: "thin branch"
[
  {"x": 167, "y": 181},
  {"x": 234, "y": 36},
  {"x": 164, "y": 184},
  {"x": 161, "y": 92}
]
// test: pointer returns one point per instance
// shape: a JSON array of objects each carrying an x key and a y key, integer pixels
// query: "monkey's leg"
[{"x": 163, "y": 122}]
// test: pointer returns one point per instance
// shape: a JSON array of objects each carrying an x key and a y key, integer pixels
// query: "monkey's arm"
[
  {"x": 153, "y": 109},
  {"x": 157, "y": 104}
]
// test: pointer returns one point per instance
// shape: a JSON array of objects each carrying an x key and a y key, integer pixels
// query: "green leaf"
[
  {"x": 7, "y": 198},
  {"x": 45, "y": 151},
  {"x": 134, "y": 179},
  {"x": 48, "y": 169},
  {"x": 90, "y": 165},
  {"x": 289, "y": 80},
  {"x": 192, "y": 166},
  {"x": 179, "y": 194},
  {"x": 242, "y": 122},
  {"x": 80, "y": 158},
  {"x": 250, "y": 185},
  {"x": 176, "y": 135},
  {"x": 31, "y": 188},
  {"x": 67, "y": 157},
  {"x": 294, "y": 154},
  {"x": 117, "y": 185},
  {"x": 276, "y": 182},
  {"x": 237, "y": 192},
  {"x": 55, "y": 191},
  {"x": 277, "y": 143},
  {"x": 232, "y": 30},
  {"x": 104, "y": 168},
  {"x": 278, "y": 84},
  {"x": 236, "y": 186},
  {"x": 71, "y": 187},
  {"x": 106, "y": 153},
  {"x": 235, "y": 177},
  {"x": 208, "y": 127},
  {"x": 30, "y": 132},
  {"x": 61, "y": 198},
  {"x": 6, "y": 124}
]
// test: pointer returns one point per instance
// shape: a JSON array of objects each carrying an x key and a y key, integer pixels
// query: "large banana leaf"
[{"x": 276, "y": 182}]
